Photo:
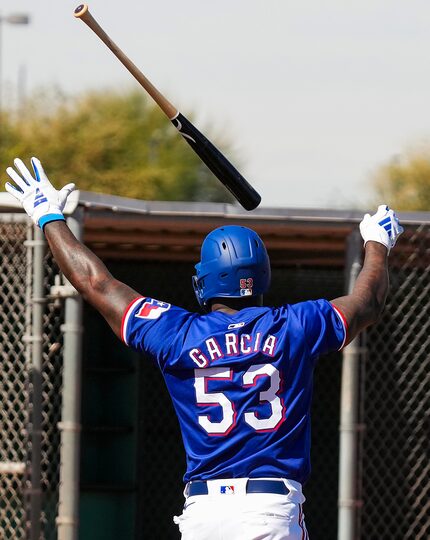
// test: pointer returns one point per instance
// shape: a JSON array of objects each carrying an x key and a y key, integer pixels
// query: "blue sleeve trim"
[{"x": 50, "y": 217}]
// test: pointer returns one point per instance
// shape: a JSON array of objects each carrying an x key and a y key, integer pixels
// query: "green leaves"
[
  {"x": 110, "y": 142},
  {"x": 404, "y": 182}
]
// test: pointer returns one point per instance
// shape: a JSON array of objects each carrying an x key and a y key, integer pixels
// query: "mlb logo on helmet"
[
  {"x": 226, "y": 490},
  {"x": 152, "y": 309}
]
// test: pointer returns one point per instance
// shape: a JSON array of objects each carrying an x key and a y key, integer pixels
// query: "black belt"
[{"x": 200, "y": 487}]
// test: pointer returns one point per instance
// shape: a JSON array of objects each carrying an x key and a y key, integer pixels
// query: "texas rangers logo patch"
[{"x": 152, "y": 309}]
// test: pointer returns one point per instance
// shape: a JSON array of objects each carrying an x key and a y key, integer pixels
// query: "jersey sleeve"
[
  {"x": 324, "y": 326},
  {"x": 151, "y": 326}
]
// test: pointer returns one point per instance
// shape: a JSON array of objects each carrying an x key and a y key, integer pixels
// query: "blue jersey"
[{"x": 241, "y": 384}]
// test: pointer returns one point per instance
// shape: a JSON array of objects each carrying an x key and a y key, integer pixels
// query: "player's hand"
[
  {"x": 382, "y": 227},
  {"x": 42, "y": 202}
]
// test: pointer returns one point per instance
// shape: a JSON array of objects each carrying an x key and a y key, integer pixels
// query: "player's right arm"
[
  {"x": 364, "y": 305},
  {"x": 85, "y": 271}
]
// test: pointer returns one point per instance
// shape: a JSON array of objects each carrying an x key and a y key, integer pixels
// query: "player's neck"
[
  {"x": 230, "y": 306},
  {"x": 223, "y": 309}
]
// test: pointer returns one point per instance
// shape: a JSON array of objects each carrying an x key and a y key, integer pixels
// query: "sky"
[{"x": 313, "y": 96}]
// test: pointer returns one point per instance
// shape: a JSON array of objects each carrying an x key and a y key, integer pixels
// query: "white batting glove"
[
  {"x": 42, "y": 202},
  {"x": 382, "y": 227}
]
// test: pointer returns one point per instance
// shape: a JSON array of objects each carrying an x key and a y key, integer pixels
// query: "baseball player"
[{"x": 240, "y": 375}]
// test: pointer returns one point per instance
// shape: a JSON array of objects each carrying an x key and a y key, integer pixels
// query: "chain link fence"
[
  {"x": 396, "y": 451},
  {"x": 14, "y": 380},
  {"x": 396, "y": 399},
  {"x": 17, "y": 391}
]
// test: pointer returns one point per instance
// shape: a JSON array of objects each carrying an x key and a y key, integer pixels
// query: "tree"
[
  {"x": 404, "y": 182},
  {"x": 105, "y": 141}
]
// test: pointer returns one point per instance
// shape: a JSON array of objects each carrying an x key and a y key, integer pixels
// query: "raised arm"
[
  {"x": 366, "y": 302},
  {"x": 85, "y": 271}
]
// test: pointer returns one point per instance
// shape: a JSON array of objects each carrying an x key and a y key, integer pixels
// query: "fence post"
[
  {"x": 348, "y": 501},
  {"x": 70, "y": 427},
  {"x": 36, "y": 338},
  {"x": 27, "y": 340}
]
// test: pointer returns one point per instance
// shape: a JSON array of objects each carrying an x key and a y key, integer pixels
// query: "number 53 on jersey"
[{"x": 229, "y": 420}]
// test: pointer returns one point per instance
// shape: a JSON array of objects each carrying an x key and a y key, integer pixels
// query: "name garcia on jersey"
[{"x": 232, "y": 345}]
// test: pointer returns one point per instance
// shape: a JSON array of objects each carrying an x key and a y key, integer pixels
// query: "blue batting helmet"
[{"x": 234, "y": 263}]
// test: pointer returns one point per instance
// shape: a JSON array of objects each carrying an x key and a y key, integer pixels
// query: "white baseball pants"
[{"x": 236, "y": 515}]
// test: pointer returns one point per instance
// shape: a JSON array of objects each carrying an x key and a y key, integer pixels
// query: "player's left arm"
[
  {"x": 85, "y": 271},
  {"x": 366, "y": 302}
]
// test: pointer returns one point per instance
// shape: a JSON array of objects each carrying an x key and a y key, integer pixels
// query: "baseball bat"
[{"x": 240, "y": 188}]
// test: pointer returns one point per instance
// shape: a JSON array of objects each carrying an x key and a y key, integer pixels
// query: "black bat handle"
[{"x": 240, "y": 188}]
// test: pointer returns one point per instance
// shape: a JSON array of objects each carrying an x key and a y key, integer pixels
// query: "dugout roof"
[{"x": 121, "y": 228}]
